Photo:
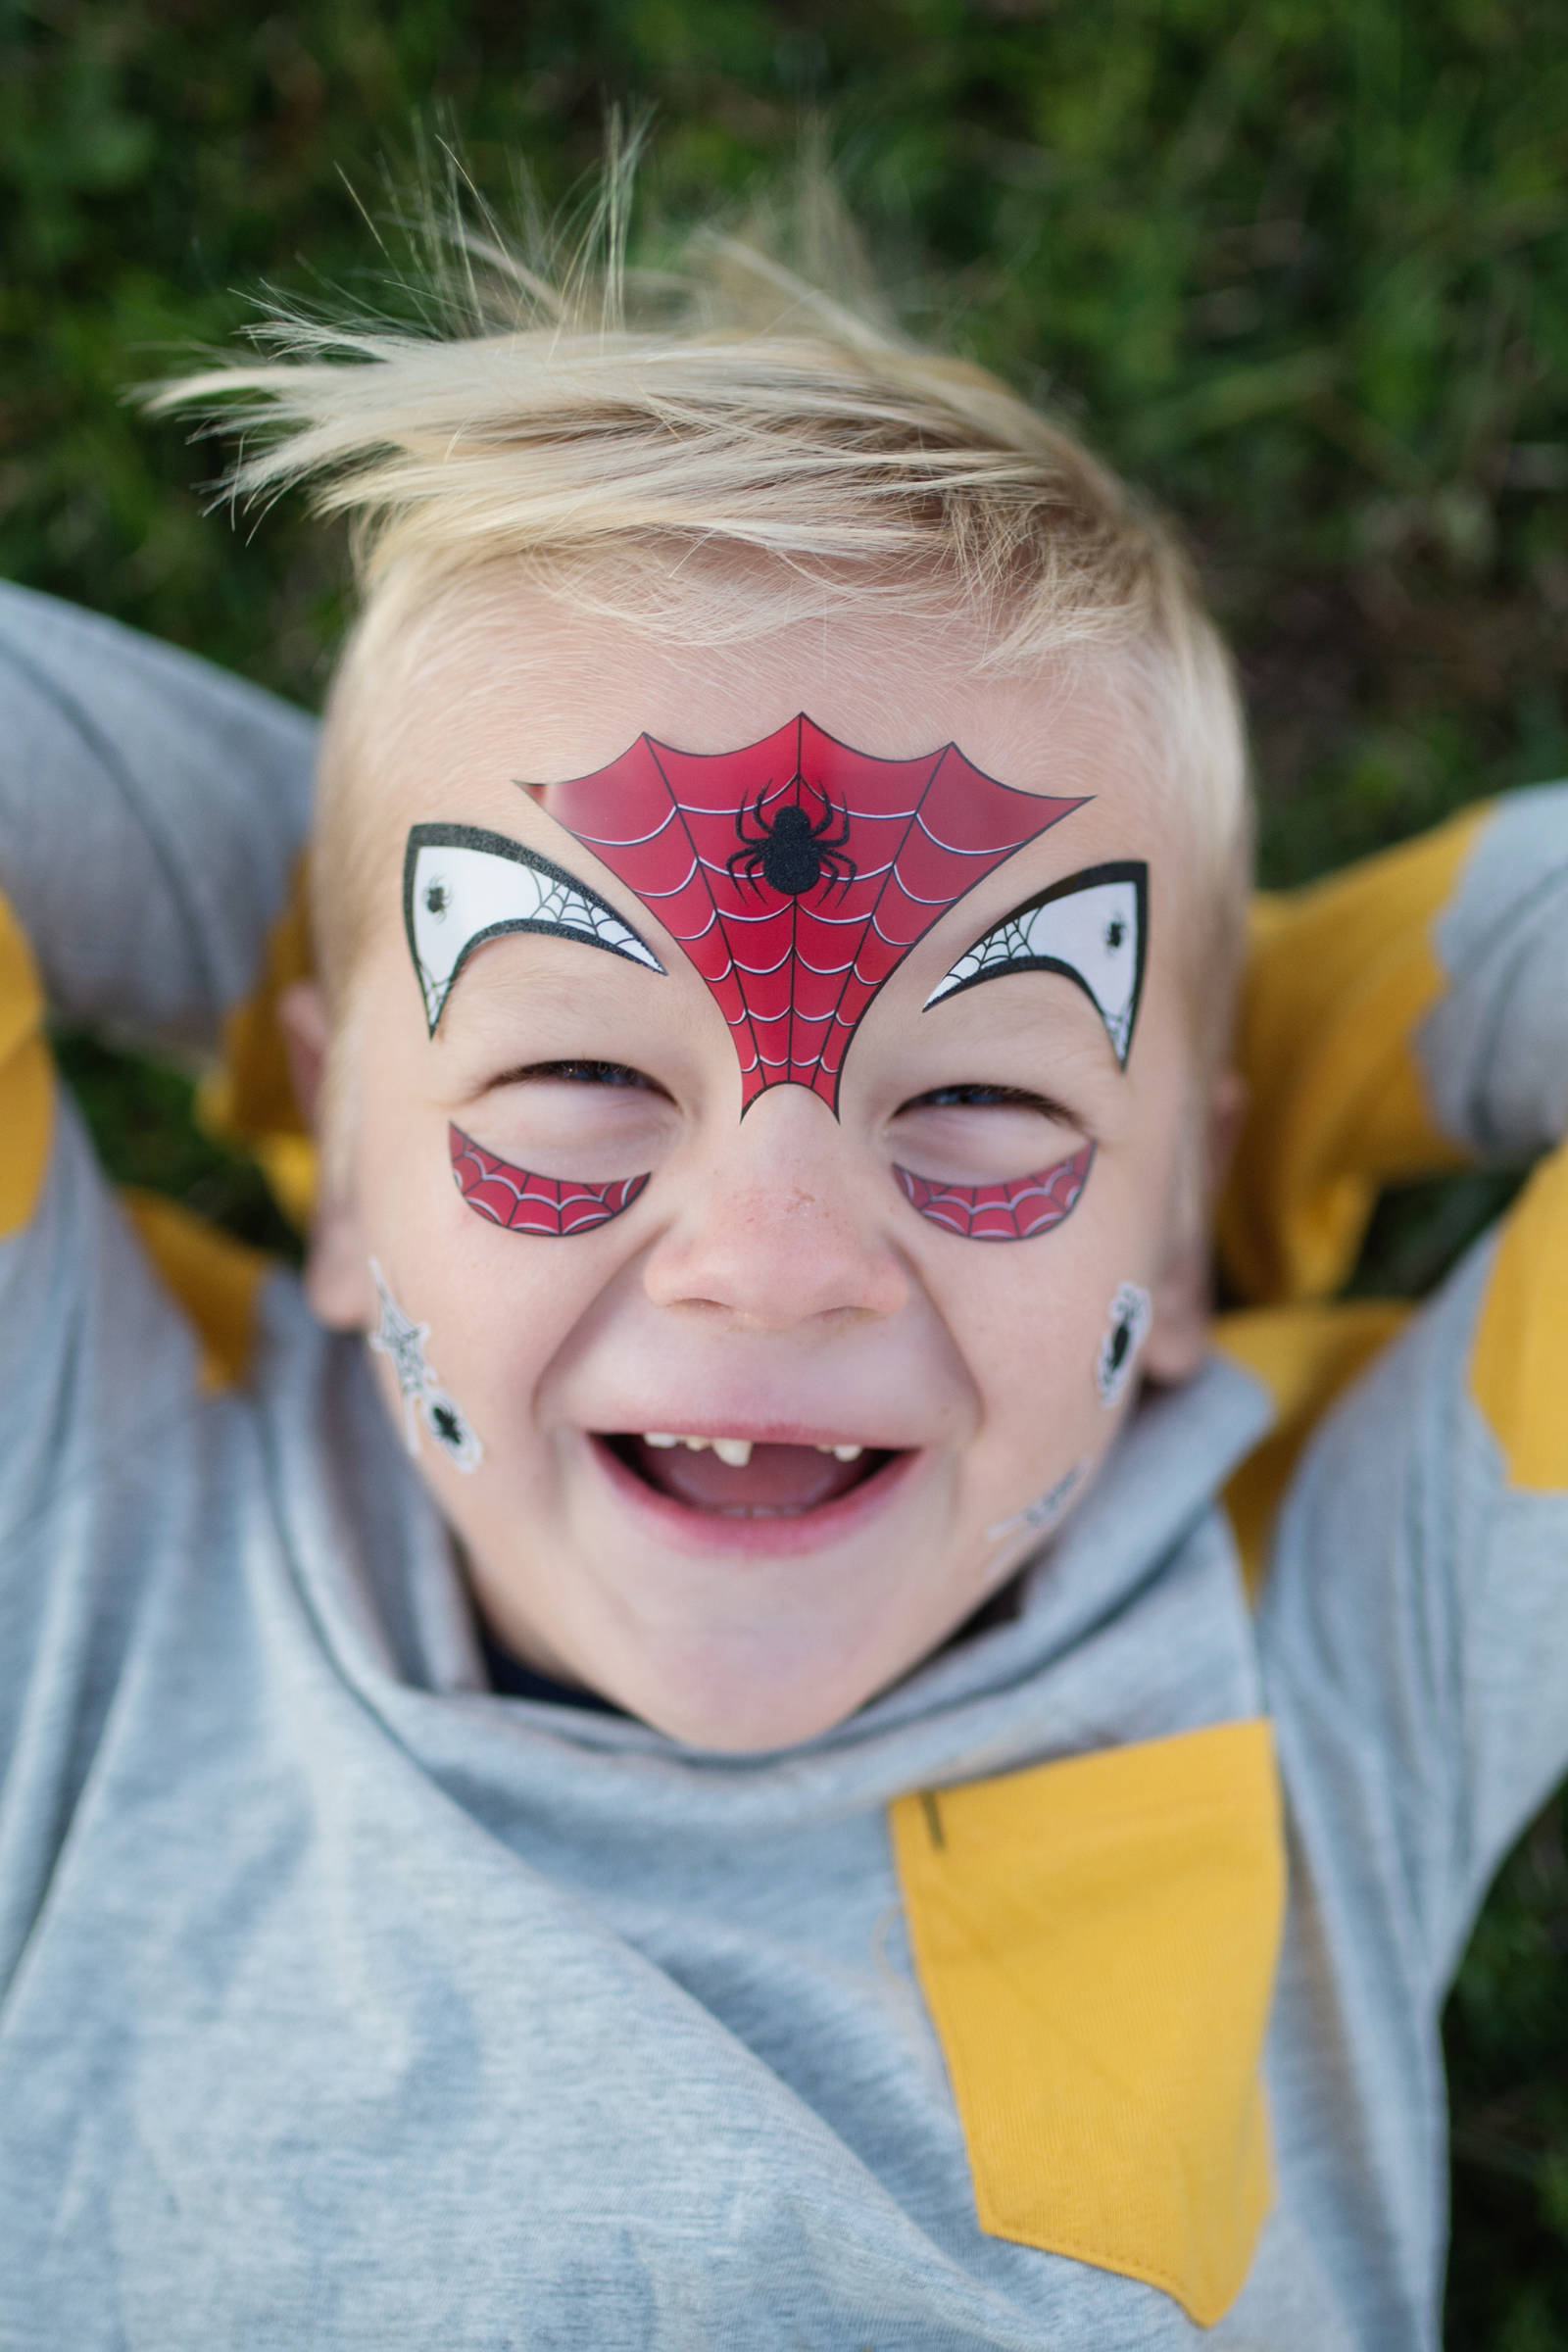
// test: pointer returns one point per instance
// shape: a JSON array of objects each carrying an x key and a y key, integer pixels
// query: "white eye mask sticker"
[
  {"x": 1093, "y": 928},
  {"x": 463, "y": 886}
]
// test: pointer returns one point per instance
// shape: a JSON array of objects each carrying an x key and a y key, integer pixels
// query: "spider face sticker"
[
  {"x": 463, "y": 886},
  {"x": 523, "y": 1203},
  {"x": 402, "y": 1341},
  {"x": 1093, "y": 929},
  {"x": 796, "y": 874}
]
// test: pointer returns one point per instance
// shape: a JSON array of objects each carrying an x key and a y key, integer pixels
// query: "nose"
[{"x": 780, "y": 1228}]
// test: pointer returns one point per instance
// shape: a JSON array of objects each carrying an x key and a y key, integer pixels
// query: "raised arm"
[
  {"x": 1408, "y": 1016},
  {"x": 151, "y": 810},
  {"x": 1411, "y": 1015},
  {"x": 151, "y": 807}
]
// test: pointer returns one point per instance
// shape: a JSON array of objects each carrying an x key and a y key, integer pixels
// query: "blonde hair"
[{"x": 721, "y": 447}]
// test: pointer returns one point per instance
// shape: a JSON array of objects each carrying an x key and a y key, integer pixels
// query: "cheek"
[
  {"x": 499, "y": 1304},
  {"x": 1033, "y": 1316}
]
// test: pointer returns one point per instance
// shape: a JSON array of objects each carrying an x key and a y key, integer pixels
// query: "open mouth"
[{"x": 734, "y": 1478}]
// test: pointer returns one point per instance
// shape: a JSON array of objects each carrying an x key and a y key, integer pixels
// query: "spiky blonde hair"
[{"x": 719, "y": 447}]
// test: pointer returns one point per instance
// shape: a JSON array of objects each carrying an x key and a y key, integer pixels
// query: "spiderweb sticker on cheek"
[
  {"x": 1013, "y": 1211},
  {"x": 796, "y": 874},
  {"x": 552, "y": 1206},
  {"x": 401, "y": 1340}
]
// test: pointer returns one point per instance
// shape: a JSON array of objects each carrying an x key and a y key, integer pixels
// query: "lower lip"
[{"x": 676, "y": 1524}]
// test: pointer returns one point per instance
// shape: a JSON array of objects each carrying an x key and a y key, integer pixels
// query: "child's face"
[{"x": 776, "y": 1281}]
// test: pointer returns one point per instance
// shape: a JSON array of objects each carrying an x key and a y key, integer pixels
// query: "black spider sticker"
[{"x": 790, "y": 853}]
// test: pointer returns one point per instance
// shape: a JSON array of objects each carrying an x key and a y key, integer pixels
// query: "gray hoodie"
[{"x": 346, "y": 2004}]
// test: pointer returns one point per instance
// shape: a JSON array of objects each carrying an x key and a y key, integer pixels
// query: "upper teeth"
[{"x": 737, "y": 1452}]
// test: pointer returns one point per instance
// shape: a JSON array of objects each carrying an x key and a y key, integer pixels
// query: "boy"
[{"x": 718, "y": 1784}]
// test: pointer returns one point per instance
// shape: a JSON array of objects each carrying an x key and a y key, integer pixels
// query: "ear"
[
  {"x": 1178, "y": 1331},
  {"x": 337, "y": 1263}
]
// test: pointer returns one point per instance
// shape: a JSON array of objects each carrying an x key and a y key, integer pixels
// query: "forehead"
[
  {"x": 486, "y": 698},
  {"x": 521, "y": 687}
]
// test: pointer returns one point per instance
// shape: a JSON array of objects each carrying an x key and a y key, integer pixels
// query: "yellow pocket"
[{"x": 1096, "y": 1943}]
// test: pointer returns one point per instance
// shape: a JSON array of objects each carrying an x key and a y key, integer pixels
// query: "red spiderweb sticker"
[
  {"x": 527, "y": 1203},
  {"x": 796, "y": 874},
  {"x": 1002, "y": 1212}
]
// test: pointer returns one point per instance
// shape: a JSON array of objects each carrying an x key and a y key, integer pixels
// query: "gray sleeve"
[
  {"x": 1494, "y": 1049},
  {"x": 1415, "y": 1639},
  {"x": 150, "y": 812},
  {"x": 151, "y": 807}
]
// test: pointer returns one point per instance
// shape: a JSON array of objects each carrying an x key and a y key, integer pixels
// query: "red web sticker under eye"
[
  {"x": 1002, "y": 1212},
  {"x": 527, "y": 1203}
]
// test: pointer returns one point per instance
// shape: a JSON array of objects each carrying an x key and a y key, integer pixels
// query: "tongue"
[{"x": 778, "y": 1480}]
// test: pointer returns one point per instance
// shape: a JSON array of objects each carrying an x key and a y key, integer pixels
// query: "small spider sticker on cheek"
[
  {"x": 402, "y": 1341},
  {"x": 1131, "y": 1314}
]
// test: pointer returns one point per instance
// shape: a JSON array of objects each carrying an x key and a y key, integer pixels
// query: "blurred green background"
[{"x": 1298, "y": 266}]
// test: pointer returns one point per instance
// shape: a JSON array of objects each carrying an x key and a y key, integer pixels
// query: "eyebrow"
[
  {"x": 1093, "y": 929},
  {"x": 464, "y": 886}
]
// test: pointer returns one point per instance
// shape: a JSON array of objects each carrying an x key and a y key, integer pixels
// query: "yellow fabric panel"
[
  {"x": 1303, "y": 1355},
  {"x": 27, "y": 1079},
  {"x": 248, "y": 1102},
  {"x": 1519, "y": 1360},
  {"x": 1340, "y": 974},
  {"x": 288, "y": 1163},
  {"x": 214, "y": 1277},
  {"x": 1096, "y": 1943}
]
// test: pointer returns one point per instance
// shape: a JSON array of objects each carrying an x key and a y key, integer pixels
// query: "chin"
[
  {"x": 761, "y": 1722},
  {"x": 741, "y": 1631}
]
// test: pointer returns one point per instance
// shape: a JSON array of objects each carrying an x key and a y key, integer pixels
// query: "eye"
[
  {"x": 582, "y": 1073},
  {"x": 979, "y": 1133},
  {"x": 577, "y": 1119},
  {"x": 986, "y": 1098}
]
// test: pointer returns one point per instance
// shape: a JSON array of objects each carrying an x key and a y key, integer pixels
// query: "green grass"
[{"x": 1300, "y": 266}]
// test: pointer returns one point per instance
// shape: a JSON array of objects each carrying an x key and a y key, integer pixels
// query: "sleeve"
[
  {"x": 150, "y": 812},
  {"x": 1401, "y": 1018},
  {"x": 1416, "y": 1618}
]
